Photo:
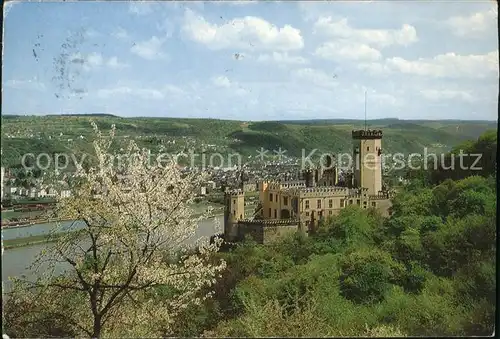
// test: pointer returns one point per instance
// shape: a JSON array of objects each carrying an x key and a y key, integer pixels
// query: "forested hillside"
[{"x": 53, "y": 134}]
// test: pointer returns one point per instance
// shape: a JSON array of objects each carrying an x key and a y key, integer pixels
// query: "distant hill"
[
  {"x": 55, "y": 133},
  {"x": 85, "y": 114}
]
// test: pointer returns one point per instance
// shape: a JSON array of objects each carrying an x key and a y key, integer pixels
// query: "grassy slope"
[{"x": 231, "y": 136}]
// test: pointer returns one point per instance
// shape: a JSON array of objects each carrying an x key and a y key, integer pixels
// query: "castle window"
[
  {"x": 330, "y": 203},
  {"x": 330, "y": 212},
  {"x": 234, "y": 212},
  {"x": 358, "y": 202},
  {"x": 318, "y": 203},
  {"x": 276, "y": 198},
  {"x": 368, "y": 148},
  {"x": 365, "y": 202},
  {"x": 307, "y": 214},
  {"x": 374, "y": 204},
  {"x": 275, "y": 214},
  {"x": 342, "y": 203},
  {"x": 271, "y": 197},
  {"x": 307, "y": 204},
  {"x": 285, "y": 201},
  {"x": 269, "y": 213},
  {"x": 234, "y": 202},
  {"x": 241, "y": 216},
  {"x": 350, "y": 202}
]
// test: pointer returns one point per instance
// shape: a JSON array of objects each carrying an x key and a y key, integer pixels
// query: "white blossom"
[{"x": 137, "y": 215}]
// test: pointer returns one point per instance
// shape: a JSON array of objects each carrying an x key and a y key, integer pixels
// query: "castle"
[{"x": 289, "y": 206}]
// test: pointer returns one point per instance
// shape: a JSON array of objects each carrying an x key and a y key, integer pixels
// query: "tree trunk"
[{"x": 96, "y": 333}]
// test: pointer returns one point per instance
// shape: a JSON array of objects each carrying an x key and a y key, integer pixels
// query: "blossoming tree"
[{"x": 131, "y": 263}]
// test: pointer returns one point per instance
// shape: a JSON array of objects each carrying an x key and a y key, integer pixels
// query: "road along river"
[{"x": 15, "y": 261}]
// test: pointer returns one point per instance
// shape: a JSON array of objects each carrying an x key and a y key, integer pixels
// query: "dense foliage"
[{"x": 427, "y": 270}]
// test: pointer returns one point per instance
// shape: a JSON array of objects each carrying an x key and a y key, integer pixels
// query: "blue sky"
[{"x": 252, "y": 60}]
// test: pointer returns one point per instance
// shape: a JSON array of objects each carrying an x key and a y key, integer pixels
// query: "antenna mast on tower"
[{"x": 365, "y": 110}]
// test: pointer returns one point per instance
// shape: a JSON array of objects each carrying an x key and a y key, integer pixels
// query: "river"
[{"x": 16, "y": 261}]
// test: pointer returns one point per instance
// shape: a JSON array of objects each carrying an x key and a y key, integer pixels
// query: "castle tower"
[
  {"x": 367, "y": 157},
  {"x": 329, "y": 172},
  {"x": 234, "y": 210},
  {"x": 310, "y": 176}
]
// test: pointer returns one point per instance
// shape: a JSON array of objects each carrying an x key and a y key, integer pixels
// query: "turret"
[
  {"x": 367, "y": 153},
  {"x": 234, "y": 210}
]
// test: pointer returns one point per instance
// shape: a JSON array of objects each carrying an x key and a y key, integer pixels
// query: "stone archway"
[{"x": 285, "y": 214}]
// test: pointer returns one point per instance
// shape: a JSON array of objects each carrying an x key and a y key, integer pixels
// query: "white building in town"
[{"x": 3, "y": 173}]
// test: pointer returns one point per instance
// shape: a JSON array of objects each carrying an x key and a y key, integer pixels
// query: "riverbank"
[
  {"x": 34, "y": 222},
  {"x": 29, "y": 241},
  {"x": 47, "y": 237}
]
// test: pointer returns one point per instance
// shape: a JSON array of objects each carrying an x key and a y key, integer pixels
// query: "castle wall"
[
  {"x": 254, "y": 230},
  {"x": 273, "y": 233},
  {"x": 265, "y": 232},
  {"x": 383, "y": 206}
]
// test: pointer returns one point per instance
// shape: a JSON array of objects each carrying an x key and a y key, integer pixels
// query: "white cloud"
[
  {"x": 473, "y": 25},
  {"x": 167, "y": 26},
  {"x": 449, "y": 65},
  {"x": 282, "y": 58},
  {"x": 447, "y": 94},
  {"x": 221, "y": 81},
  {"x": 172, "y": 89},
  {"x": 381, "y": 98},
  {"x": 315, "y": 77},
  {"x": 347, "y": 51},
  {"x": 33, "y": 85},
  {"x": 149, "y": 49},
  {"x": 143, "y": 93},
  {"x": 96, "y": 60},
  {"x": 378, "y": 37},
  {"x": 384, "y": 99},
  {"x": 374, "y": 68},
  {"x": 91, "y": 33},
  {"x": 114, "y": 63},
  {"x": 121, "y": 34},
  {"x": 242, "y": 33},
  {"x": 224, "y": 82}
]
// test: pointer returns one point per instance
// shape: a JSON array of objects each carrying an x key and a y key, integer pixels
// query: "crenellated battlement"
[
  {"x": 324, "y": 191},
  {"x": 293, "y": 184},
  {"x": 367, "y": 134},
  {"x": 358, "y": 192},
  {"x": 278, "y": 185},
  {"x": 237, "y": 192},
  {"x": 269, "y": 222}
]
